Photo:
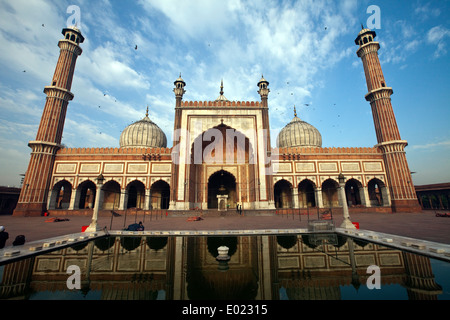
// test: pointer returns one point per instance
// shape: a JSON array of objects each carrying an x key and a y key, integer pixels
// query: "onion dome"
[
  {"x": 143, "y": 134},
  {"x": 299, "y": 133}
]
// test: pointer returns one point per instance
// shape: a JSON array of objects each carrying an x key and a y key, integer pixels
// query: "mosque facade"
[{"x": 221, "y": 156}]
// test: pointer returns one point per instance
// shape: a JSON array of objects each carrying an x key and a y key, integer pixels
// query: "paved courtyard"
[{"x": 423, "y": 226}]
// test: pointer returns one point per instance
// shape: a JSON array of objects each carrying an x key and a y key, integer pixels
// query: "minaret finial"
[
  {"x": 362, "y": 26},
  {"x": 221, "y": 87}
]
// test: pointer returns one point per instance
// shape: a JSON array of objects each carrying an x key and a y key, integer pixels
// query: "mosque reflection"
[{"x": 303, "y": 267}]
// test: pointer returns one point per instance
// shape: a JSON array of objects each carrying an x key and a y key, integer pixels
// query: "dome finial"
[
  {"x": 221, "y": 96},
  {"x": 146, "y": 113},
  {"x": 295, "y": 112}
]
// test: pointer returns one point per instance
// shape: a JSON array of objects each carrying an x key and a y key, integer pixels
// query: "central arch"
[
  {"x": 221, "y": 183},
  {"x": 215, "y": 147}
]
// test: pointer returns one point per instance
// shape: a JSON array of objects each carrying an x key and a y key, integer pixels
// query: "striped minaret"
[
  {"x": 33, "y": 197},
  {"x": 179, "y": 92},
  {"x": 402, "y": 191},
  {"x": 263, "y": 91}
]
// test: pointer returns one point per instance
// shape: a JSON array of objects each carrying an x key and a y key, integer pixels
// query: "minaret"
[
  {"x": 263, "y": 91},
  {"x": 33, "y": 197},
  {"x": 400, "y": 182},
  {"x": 179, "y": 92}
]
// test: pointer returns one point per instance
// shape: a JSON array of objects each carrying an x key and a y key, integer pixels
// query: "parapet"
[
  {"x": 329, "y": 150},
  {"x": 114, "y": 151},
  {"x": 232, "y": 104}
]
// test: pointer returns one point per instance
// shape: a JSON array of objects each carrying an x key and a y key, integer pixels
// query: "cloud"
[
  {"x": 399, "y": 42},
  {"x": 28, "y": 106},
  {"x": 441, "y": 144},
  {"x": 426, "y": 12},
  {"x": 196, "y": 18},
  {"x": 437, "y": 36},
  {"x": 86, "y": 133},
  {"x": 102, "y": 67}
]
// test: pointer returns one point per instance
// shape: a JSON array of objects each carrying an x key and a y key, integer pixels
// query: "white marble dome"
[
  {"x": 299, "y": 133},
  {"x": 143, "y": 134}
]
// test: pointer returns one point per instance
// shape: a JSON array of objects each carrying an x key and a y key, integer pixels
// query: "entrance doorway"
[{"x": 221, "y": 183}]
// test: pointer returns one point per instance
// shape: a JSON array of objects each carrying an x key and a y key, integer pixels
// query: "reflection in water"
[{"x": 306, "y": 267}]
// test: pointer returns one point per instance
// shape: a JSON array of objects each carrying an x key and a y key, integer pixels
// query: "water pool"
[{"x": 259, "y": 267}]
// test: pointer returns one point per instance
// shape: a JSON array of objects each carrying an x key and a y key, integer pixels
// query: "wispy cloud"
[
  {"x": 438, "y": 36},
  {"x": 441, "y": 144}
]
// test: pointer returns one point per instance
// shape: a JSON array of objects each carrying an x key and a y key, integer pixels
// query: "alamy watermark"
[
  {"x": 374, "y": 21},
  {"x": 374, "y": 280},
  {"x": 75, "y": 18},
  {"x": 74, "y": 280}
]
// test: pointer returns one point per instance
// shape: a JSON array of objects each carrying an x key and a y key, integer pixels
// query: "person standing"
[{"x": 3, "y": 237}]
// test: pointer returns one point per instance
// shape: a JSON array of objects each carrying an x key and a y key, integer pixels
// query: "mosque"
[{"x": 221, "y": 156}]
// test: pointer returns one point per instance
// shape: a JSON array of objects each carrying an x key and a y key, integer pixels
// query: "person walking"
[{"x": 3, "y": 237}]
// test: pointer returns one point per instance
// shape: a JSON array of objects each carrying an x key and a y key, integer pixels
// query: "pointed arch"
[
  {"x": 353, "y": 189},
  {"x": 283, "y": 194},
  {"x": 221, "y": 182},
  {"x": 60, "y": 195},
  {"x": 307, "y": 194},
  {"x": 330, "y": 196},
  {"x": 111, "y": 195},
  {"x": 378, "y": 195},
  {"x": 160, "y": 195},
  {"x": 86, "y": 193},
  {"x": 136, "y": 194},
  {"x": 222, "y": 145}
]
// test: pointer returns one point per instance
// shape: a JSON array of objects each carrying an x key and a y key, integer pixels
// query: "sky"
[{"x": 305, "y": 49}]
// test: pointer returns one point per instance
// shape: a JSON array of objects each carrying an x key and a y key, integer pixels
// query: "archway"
[
  {"x": 353, "y": 192},
  {"x": 111, "y": 195},
  {"x": 377, "y": 193},
  {"x": 136, "y": 195},
  {"x": 221, "y": 183},
  {"x": 218, "y": 146},
  {"x": 306, "y": 194},
  {"x": 160, "y": 195},
  {"x": 283, "y": 194},
  {"x": 87, "y": 192},
  {"x": 61, "y": 194},
  {"x": 330, "y": 193}
]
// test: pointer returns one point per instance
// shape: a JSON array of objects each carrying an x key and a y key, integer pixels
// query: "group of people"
[{"x": 20, "y": 239}]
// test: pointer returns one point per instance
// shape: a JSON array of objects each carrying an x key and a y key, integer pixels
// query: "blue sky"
[{"x": 305, "y": 49}]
